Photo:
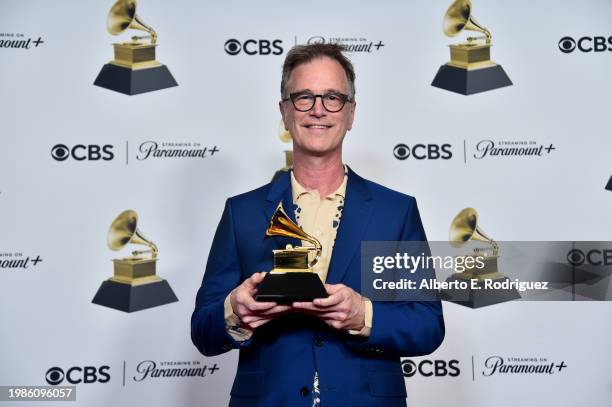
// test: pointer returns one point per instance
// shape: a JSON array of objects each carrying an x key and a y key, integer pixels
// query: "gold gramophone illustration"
[
  {"x": 134, "y": 69},
  {"x": 470, "y": 69},
  {"x": 292, "y": 278},
  {"x": 134, "y": 285},
  {"x": 464, "y": 228}
]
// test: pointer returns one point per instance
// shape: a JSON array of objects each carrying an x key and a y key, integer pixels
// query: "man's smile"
[{"x": 318, "y": 126}]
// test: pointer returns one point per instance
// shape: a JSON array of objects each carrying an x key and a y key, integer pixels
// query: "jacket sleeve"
[
  {"x": 404, "y": 328},
  {"x": 222, "y": 275}
]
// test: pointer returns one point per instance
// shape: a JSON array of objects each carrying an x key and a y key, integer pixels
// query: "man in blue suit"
[{"x": 343, "y": 349}]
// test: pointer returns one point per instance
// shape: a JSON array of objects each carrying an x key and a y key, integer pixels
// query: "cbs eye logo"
[
  {"x": 77, "y": 374},
  {"x": 232, "y": 46},
  {"x": 567, "y": 45},
  {"x": 428, "y": 368},
  {"x": 254, "y": 47},
  {"x": 54, "y": 376},
  {"x": 593, "y": 257},
  {"x": 596, "y": 43},
  {"x": 60, "y": 152},
  {"x": 80, "y": 152},
  {"x": 423, "y": 151}
]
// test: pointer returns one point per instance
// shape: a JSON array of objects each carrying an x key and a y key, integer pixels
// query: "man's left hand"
[{"x": 343, "y": 309}]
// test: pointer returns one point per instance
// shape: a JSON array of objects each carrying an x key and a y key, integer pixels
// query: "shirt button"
[
  {"x": 304, "y": 391},
  {"x": 319, "y": 341}
]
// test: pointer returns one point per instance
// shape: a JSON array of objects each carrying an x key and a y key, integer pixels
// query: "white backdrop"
[{"x": 61, "y": 211}]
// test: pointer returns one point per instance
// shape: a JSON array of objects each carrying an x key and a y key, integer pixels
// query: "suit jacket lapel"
[{"x": 355, "y": 218}]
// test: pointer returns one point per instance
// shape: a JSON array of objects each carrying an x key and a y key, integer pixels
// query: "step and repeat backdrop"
[{"x": 186, "y": 115}]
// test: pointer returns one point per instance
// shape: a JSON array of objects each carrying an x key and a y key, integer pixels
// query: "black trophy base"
[
  {"x": 609, "y": 185},
  {"x": 479, "y": 296},
  {"x": 288, "y": 287},
  {"x": 129, "y": 298},
  {"x": 133, "y": 82},
  {"x": 468, "y": 82}
]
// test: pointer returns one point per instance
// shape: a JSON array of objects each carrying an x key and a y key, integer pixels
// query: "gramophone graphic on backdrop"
[
  {"x": 134, "y": 285},
  {"x": 134, "y": 69},
  {"x": 609, "y": 184},
  {"x": 470, "y": 69},
  {"x": 464, "y": 229}
]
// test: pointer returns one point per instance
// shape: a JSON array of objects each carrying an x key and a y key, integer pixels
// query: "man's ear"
[
  {"x": 352, "y": 113},
  {"x": 282, "y": 112}
]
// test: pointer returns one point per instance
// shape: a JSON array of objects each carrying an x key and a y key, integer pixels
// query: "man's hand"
[
  {"x": 343, "y": 309},
  {"x": 252, "y": 313}
]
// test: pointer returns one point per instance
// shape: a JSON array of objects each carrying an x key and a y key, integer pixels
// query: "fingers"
[
  {"x": 311, "y": 307},
  {"x": 330, "y": 301},
  {"x": 255, "y": 279},
  {"x": 308, "y": 308},
  {"x": 278, "y": 309},
  {"x": 255, "y": 320}
]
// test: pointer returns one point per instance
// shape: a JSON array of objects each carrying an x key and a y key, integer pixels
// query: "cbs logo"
[
  {"x": 593, "y": 257},
  {"x": 254, "y": 47},
  {"x": 76, "y": 375},
  {"x": 80, "y": 152},
  {"x": 427, "y": 368},
  {"x": 423, "y": 151},
  {"x": 585, "y": 44}
]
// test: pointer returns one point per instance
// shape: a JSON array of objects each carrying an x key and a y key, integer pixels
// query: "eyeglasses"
[{"x": 304, "y": 101}]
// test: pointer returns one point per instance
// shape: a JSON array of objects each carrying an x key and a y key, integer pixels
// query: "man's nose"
[{"x": 318, "y": 110}]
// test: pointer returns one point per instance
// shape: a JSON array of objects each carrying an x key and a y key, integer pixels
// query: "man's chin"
[{"x": 319, "y": 152}]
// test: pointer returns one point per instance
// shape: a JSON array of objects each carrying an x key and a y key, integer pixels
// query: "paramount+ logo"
[
  {"x": 76, "y": 374},
  {"x": 586, "y": 44},
  {"x": 254, "y": 47},
  {"x": 423, "y": 151},
  {"x": 82, "y": 152},
  {"x": 429, "y": 368}
]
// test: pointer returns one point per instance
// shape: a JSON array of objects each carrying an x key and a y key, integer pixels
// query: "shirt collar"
[{"x": 298, "y": 189}]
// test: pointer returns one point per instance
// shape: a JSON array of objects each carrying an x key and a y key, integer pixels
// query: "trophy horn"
[
  {"x": 464, "y": 228},
  {"x": 282, "y": 225},
  {"x": 122, "y": 16},
  {"x": 124, "y": 230},
  {"x": 459, "y": 17}
]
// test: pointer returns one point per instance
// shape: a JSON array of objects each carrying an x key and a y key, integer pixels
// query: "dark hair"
[{"x": 302, "y": 54}]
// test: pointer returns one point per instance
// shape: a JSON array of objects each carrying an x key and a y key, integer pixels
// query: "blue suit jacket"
[{"x": 276, "y": 366}]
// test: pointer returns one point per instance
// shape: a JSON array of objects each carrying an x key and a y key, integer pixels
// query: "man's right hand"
[{"x": 250, "y": 312}]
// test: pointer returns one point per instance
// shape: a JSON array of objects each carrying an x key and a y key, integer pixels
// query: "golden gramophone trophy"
[
  {"x": 285, "y": 137},
  {"x": 292, "y": 278},
  {"x": 464, "y": 228},
  {"x": 134, "y": 285},
  {"x": 134, "y": 69},
  {"x": 470, "y": 69}
]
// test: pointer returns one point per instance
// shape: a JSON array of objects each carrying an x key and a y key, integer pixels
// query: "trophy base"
[
  {"x": 134, "y": 81},
  {"x": 131, "y": 298},
  {"x": 609, "y": 185},
  {"x": 470, "y": 81},
  {"x": 478, "y": 296},
  {"x": 285, "y": 288}
]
